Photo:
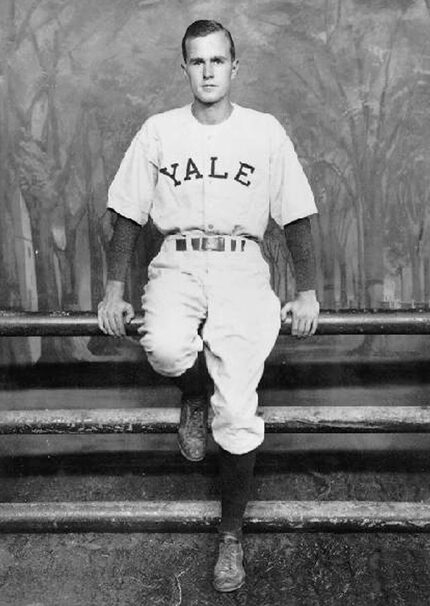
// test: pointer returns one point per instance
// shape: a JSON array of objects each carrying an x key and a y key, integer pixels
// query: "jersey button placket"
[
  {"x": 209, "y": 206},
  {"x": 209, "y": 203},
  {"x": 204, "y": 153}
]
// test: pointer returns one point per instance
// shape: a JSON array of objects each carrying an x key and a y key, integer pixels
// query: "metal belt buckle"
[
  {"x": 196, "y": 243},
  {"x": 213, "y": 243}
]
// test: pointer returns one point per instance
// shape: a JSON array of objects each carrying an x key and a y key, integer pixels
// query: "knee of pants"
[
  {"x": 236, "y": 434},
  {"x": 170, "y": 353}
]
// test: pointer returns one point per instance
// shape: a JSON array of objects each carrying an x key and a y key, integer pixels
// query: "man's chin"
[{"x": 209, "y": 98}]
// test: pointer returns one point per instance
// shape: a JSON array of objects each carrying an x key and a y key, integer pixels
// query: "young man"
[{"x": 210, "y": 174}]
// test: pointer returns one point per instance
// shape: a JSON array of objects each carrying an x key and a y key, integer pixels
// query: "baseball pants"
[{"x": 223, "y": 303}]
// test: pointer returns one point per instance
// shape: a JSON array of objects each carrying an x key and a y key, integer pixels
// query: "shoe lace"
[
  {"x": 195, "y": 411},
  {"x": 228, "y": 555},
  {"x": 197, "y": 427}
]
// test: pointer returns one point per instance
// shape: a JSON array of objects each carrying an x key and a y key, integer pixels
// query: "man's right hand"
[{"x": 113, "y": 311}]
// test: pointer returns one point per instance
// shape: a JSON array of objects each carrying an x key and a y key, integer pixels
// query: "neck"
[{"x": 212, "y": 113}]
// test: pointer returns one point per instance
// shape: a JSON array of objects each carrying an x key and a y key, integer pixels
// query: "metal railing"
[
  {"x": 200, "y": 515},
  {"x": 374, "y": 322}
]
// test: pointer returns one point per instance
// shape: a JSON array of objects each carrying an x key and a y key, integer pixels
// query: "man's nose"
[{"x": 208, "y": 71}]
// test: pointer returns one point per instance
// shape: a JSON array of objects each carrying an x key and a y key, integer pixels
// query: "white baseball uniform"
[{"x": 199, "y": 180}]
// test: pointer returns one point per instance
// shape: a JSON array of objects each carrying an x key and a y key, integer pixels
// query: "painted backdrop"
[{"x": 350, "y": 80}]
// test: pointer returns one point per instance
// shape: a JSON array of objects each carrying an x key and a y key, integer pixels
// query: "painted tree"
[
  {"x": 39, "y": 56},
  {"x": 347, "y": 70},
  {"x": 408, "y": 228},
  {"x": 334, "y": 223}
]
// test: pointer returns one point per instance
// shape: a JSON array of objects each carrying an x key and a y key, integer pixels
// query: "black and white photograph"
[{"x": 214, "y": 302}]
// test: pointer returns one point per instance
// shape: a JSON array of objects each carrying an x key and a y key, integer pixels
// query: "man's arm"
[
  {"x": 113, "y": 311},
  {"x": 305, "y": 307}
]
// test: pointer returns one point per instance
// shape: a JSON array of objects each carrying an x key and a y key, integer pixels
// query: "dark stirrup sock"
[
  {"x": 236, "y": 476},
  {"x": 194, "y": 380}
]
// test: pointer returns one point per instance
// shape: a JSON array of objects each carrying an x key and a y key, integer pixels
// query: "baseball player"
[{"x": 209, "y": 175}]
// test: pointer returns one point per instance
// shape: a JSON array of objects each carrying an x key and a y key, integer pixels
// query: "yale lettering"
[
  {"x": 172, "y": 175},
  {"x": 244, "y": 171},
  {"x": 192, "y": 172},
  {"x": 213, "y": 170}
]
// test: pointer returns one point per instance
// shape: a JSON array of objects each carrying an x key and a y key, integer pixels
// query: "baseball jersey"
[{"x": 222, "y": 178}]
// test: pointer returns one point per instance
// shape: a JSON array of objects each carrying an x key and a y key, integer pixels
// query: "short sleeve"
[
  {"x": 291, "y": 196},
  {"x": 131, "y": 192}
]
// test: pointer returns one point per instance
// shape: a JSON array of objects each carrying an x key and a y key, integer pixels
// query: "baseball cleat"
[
  {"x": 193, "y": 428},
  {"x": 229, "y": 574}
]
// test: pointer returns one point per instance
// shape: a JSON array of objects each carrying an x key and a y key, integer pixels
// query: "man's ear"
[
  {"x": 184, "y": 70},
  {"x": 235, "y": 69}
]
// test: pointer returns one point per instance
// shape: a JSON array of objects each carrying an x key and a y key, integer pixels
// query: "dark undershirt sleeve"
[
  {"x": 300, "y": 244},
  {"x": 121, "y": 247}
]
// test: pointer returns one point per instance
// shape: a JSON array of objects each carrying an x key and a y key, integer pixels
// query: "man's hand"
[
  {"x": 113, "y": 311},
  {"x": 304, "y": 309}
]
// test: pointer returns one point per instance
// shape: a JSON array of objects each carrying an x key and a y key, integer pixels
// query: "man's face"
[{"x": 209, "y": 67}]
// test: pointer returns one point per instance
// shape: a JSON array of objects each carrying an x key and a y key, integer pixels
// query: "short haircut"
[{"x": 202, "y": 28}]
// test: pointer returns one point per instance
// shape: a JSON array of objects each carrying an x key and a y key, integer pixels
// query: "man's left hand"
[{"x": 304, "y": 310}]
